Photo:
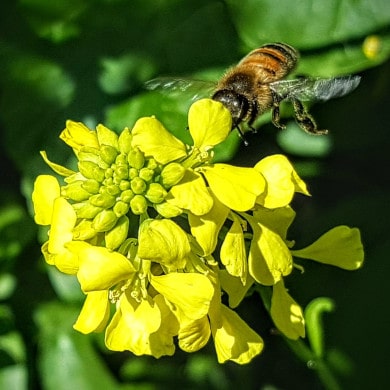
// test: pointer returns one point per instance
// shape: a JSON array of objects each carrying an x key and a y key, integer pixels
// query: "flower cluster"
[{"x": 155, "y": 230}]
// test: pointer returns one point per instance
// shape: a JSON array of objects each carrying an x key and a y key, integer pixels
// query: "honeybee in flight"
[{"x": 255, "y": 86}]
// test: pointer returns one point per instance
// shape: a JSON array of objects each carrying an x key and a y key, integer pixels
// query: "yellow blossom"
[{"x": 156, "y": 233}]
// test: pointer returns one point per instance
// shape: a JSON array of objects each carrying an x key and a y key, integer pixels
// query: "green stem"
[{"x": 305, "y": 354}]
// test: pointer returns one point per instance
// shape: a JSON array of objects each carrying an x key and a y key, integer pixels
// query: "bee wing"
[
  {"x": 178, "y": 86},
  {"x": 315, "y": 89}
]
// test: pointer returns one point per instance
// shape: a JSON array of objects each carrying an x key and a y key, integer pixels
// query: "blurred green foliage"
[{"x": 87, "y": 60}]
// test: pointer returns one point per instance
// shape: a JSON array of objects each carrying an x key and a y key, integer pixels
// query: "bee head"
[{"x": 237, "y": 104}]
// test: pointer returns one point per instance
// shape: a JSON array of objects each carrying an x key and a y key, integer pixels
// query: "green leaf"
[
  {"x": 67, "y": 359},
  {"x": 122, "y": 74},
  {"x": 54, "y": 20},
  {"x": 13, "y": 220},
  {"x": 14, "y": 377},
  {"x": 307, "y": 24}
]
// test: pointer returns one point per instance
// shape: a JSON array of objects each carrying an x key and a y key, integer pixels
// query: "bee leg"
[
  {"x": 241, "y": 134},
  {"x": 250, "y": 125},
  {"x": 304, "y": 120},
  {"x": 276, "y": 117},
  {"x": 275, "y": 110}
]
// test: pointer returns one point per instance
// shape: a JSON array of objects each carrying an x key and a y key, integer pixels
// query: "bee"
[{"x": 256, "y": 85}]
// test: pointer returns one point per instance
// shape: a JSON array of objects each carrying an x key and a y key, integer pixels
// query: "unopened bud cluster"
[{"x": 113, "y": 182}]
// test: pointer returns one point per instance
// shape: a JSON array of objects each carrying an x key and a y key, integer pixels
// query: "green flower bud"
[
  {"x": 133, "y": 172},
  {"x": 156, "y": 193},
  {"x": 86, "y": 210},
  {"x": 136, "y": 158},
  {"x": 121, "y": 208},
  {"x": 75, "y": 191},
  {"x": 92, "y": 186},
  {"x": 91, "y": 170},
  {"x": 115, "y": 237},
  {"x": 113, "y": 189},
  {"x": 104, "y": 221},
  {"x": 172, "y": 174},
  {"x": 138, "y": 205},
  {"x": 121, "y": 160},
  {"x": 109, "y": 173},
  {"x": 108, "y": 153},
  {"x": 84, "y": 230},
  {"x": 124, "y": 185},
  {"x": 138, "y": 186},
  {"x": 146, "y": 174},
  {"x": 122, "y": 172},
  {"x": 102, "y": 200},
  {"x": 124, "y": 141},
  {"x": 167, "y": 210},
  {"x": 127, "y": 195},
  {"x": 152, "y": 164}
]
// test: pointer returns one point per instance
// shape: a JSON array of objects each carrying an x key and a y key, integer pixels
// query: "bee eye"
[{"x": 236, "y": 103}]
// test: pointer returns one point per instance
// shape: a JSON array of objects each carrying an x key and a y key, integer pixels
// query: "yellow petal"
[
  {"x": 269, "y": 257},
  {"x": 66, "y": 261},
  {"x": 209, "y": 123},
  {"x": 205, "y": 228},
  {"x": 233, "y": 253},
  {"x": 164, "y": 242},
  {"x": 191, "y": 194},
  {"x": 63, "y": 171},
  {"x": 101, "y": 269},
  {"x": 234, "y": 340},
  {"x": 63, "y": 221},
  {"x": 46, "y": 190},
  {"x": 234, "y": 287},
  {"x": 277, "y": 220},
  {"x": 150, "y": 136},
  {"x": 77, "y": 135},
  {"x": 236, "y": 187},
  {"x": 106, "y": 136},
  {"x": 94, "y": 314},
  {"x": 286, "y": 313},
  {"x": 194, "y": 334},
  {"x": 131, "y": 326},
  {"x": 191, "y": 293},
  {"x": 340, "y": 246},
  {"x": 282, "y": 181}
]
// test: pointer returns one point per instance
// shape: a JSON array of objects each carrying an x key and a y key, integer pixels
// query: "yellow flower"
[{"x": 156, "y": 233}]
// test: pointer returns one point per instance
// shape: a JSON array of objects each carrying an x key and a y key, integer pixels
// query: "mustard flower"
[{"x": 156, "y": 233}]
